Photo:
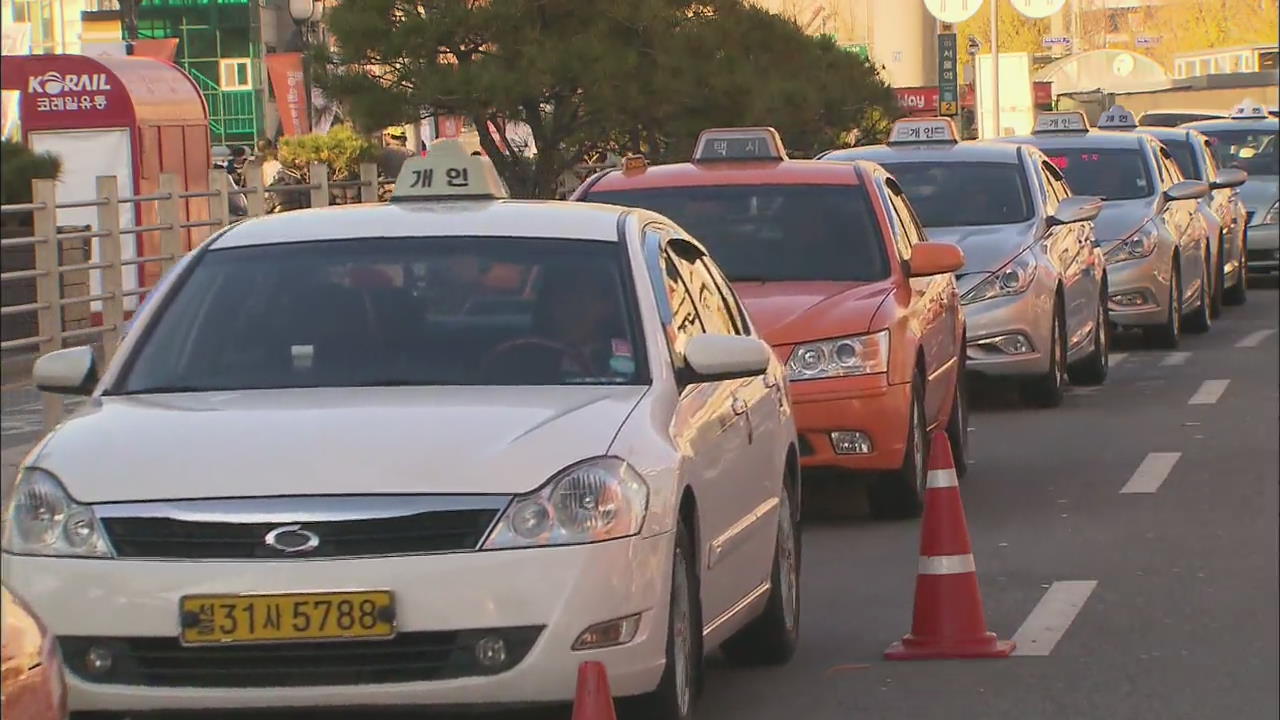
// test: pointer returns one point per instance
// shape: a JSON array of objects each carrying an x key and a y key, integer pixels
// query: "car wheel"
[
  {"x": 1219, "y": 284},
  {"x": 678, "y": 689},
  {"x": 900, "y": 494},
  {"x": 1238, "y": 293},
  {"x": 958, "y": 423},
  {"x": 1169, "y": 334},
  {"x": 771, "y": 639},
  {"x": 1093, "y": 369},
  {"x": 1201, "y": 319},
  {"x": 1046, "y": 391}
]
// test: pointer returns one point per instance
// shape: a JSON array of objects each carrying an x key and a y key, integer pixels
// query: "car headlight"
[
  {"x": 42, "y": 519},
  {"x": 1273, "y": 215},
  {"x": 1012, "y": 279},
  {"x": 598, "y": 499},
  {"x": 839, "y": 357},
  {"x": 1138, "y": 245}
]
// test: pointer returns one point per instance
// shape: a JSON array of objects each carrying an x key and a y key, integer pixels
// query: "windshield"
[
  {"x": 1253, "y": 151},
  {"x": 1182, "y": 152},
  {"x": 392, "y": 311},
  {"x": 774, "y": 233},
  {"x": 965, "y": 193},
  {"x": 1108, "y": 173}
]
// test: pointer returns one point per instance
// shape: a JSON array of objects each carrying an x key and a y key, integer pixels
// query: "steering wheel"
[{"x": 574, "y": 356}]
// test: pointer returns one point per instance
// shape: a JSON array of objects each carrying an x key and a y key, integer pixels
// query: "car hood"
[
  {"x": 1121, "y": 218},
  {"x": 986, "y": 247},
  {"x": 786, "y": 313},
  {"x": 1259, "y": 193},
  {"x": 332, "y": 441}
]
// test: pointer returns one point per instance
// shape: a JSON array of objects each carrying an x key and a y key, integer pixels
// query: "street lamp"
[{"x": 304, "y": 13}]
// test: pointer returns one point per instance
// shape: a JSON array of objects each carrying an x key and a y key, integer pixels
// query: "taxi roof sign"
[
  {"x": 1061, "y": 121},
  {"x": 1117, "y": 118},
  {"x": 910, "y": 131},
  {"x": 634, "y": 162},
  {"x": 1248, "y": 110},
  {"x": 448, "y": 172},
  {"x": 744, "y": 143}
]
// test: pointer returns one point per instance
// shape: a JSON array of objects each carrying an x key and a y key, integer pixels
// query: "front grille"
[
  {"x": 424, "y": 532},
  {"x": 408, "y": 657}
]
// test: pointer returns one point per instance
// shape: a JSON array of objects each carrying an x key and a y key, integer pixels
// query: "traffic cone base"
[{"x": 987, "y": 646}]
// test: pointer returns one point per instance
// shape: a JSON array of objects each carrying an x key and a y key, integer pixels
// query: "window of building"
[{"x": 235, "y": 74}]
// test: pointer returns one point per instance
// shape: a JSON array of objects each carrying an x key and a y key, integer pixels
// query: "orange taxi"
[
  {"x": 837, "y": 275},
  {"x": 32, "y": 685}
]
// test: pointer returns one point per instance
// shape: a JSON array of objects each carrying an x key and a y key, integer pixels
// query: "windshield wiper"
[{"x": 162, "y": 389}]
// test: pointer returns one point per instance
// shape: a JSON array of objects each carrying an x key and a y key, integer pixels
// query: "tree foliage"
[
  {"x": 19, "y": 165},
  {"x": 612, "y": 75}
]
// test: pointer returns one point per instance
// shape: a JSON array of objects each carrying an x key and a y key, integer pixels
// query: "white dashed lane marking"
[
  {"x": 1151, "y": 473},
  {"x": 1175, "y": 358},
  {"x": 1253, "y": 339},
  {"x": 1049, "y": 621},
  {"x": 1209, "y": 392}
]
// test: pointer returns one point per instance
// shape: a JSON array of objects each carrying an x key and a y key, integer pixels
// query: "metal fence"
[{"x": 50, "y": 305}]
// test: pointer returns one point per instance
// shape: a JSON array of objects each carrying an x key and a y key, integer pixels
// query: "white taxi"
[{"x": 438, "y": 451}]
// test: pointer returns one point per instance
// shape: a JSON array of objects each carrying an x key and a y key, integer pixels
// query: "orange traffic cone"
[
  {"x": 593, "y": 700},
  {"x": 948, "y": 621}
]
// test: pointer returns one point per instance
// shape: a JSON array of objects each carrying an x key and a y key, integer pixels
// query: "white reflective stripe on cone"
[
  {"x": 941, "y": 479},
  {"x": 947, "y": 564}
]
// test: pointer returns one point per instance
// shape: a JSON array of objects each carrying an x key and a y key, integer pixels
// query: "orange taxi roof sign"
[
  {"x": 744, "y": 143},
  {"x": 911, "y": 131}
]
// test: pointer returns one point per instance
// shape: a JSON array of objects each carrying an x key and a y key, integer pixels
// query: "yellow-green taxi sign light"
[
  {"x": 1248, "y": 110},
  {"x": 634, "y": 162},
  {"x": 1117, "y": 118},
  {"x": 745, "y": 143},
  {"x": 448, "y": 172},
  {"x": 1062, "y": 121},
  {"x": 908, "y": 131}
]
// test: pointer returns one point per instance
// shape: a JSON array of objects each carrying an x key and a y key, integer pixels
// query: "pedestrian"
[{"x": 394, "y": 152}]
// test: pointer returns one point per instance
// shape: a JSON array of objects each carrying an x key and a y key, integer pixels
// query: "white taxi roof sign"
[
  {"x": 1117, "y": 118},
  {"x": 1248, "y": 110},
  {"x": 744, "y": 143},
  {"x": 910, "y": 131},
  {"x": 448, "y": 172},
  {"x": 1061, "y": 121}
]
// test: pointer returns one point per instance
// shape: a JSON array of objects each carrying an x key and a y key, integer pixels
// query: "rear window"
[
  {"x": 774, "y": 233},
  {"x": 1253, "y": 151},
  {"x": 965, "y": 193},
  {"x": 1108, "y": 173}
]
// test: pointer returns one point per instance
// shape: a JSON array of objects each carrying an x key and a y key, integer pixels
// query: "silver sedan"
[{"x": 1034, "y": 283}]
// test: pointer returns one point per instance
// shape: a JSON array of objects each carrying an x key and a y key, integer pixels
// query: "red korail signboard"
[{"x": 68, "y": 91}]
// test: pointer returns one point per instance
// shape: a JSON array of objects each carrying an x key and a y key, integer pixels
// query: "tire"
[
  {"x": 771, "y": 639},
  {"x": 1093, "y": 369},
  {"x": 677, "y": 691},
  {"x": 899, "y": 494},
  {"x": 1237, "y": 294},
  {"x": 1047, "y": 390},
  {"x": 958, "y": 424},
  {"x": 1200, "y": 320},
  {"x": 1169, "y": 334},
  {"x": 1219, "y": 284}
]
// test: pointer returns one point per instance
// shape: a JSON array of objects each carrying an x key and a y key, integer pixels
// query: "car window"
[
  {"x": 737, "y": 316},
  {"x": 1109, "y": 173},
  {"x": 1183, "y": 156},
  {"x": 1057, "y": 182},
  {"x": 1051, "y": 193},
  {"x": 707, "y": 298},
  {"x": 774, "y": 232},
  {"x": 1253, "y": 151},
  {"x": 896, "y": 224},
  {"x": 1210, "y": 162},
  {"x": 902, "y": 207},
  {"x": 952, "y": 194},
  {"x": 393, "y": 311},
  {"x": 1171, "y": 168}
]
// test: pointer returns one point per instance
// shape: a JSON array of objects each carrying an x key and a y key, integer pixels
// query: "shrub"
[
  {"x": 19, "y": 165},
  {"x": 342, "y": 149}
]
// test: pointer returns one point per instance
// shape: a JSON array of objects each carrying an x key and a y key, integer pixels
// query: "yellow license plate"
[{"x": 277, "y": 618}]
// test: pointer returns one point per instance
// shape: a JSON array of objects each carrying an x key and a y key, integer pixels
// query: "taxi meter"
[
  {"x": 908, "y": 131},
  {"x": 1117, "y": 118},
  {"x": 1065, "y": 121},
  {"x": 1249, "y": 110},
  {"x": 448, "y": 171},
  {"x": 747, "y": 143}
]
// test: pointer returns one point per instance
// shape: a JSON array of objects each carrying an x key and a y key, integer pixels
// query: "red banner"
[{"x": 285, "y": 71}]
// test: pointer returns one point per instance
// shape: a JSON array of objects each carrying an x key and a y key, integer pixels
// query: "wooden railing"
[{"x": 52, "y": 331}]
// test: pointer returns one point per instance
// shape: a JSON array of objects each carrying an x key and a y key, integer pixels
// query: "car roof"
[
  {"x": 967, "y": 151},
  {"x": 1092, "y": 138},
  {"x": 428, "y": 218},
  {"x": 1267, "y": 124},
  {"x": 726, "y": 172}
]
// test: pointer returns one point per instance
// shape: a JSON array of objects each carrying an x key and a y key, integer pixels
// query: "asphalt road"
[{"x": 1182, "y": 621}]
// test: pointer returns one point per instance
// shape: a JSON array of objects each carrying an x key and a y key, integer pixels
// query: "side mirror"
[
  {"x": 935, "y": 258},
  {"x": 1229, "y": 178},
  {"x": 1077, "y": 208},
  {"x": 726, "y": 357},
  {"x": 72, "y": 371},
  {"x": 1187, "y": 190}
]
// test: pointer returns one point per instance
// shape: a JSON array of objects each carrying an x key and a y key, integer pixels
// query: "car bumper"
[
  {"x": 1264, "y": 248},
  {"x": 1146, "y": 279},
  {"x": 866, "y": 404},
  {"x": 564, "y": 590},
  {"x": 1028, "y": 315}
]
